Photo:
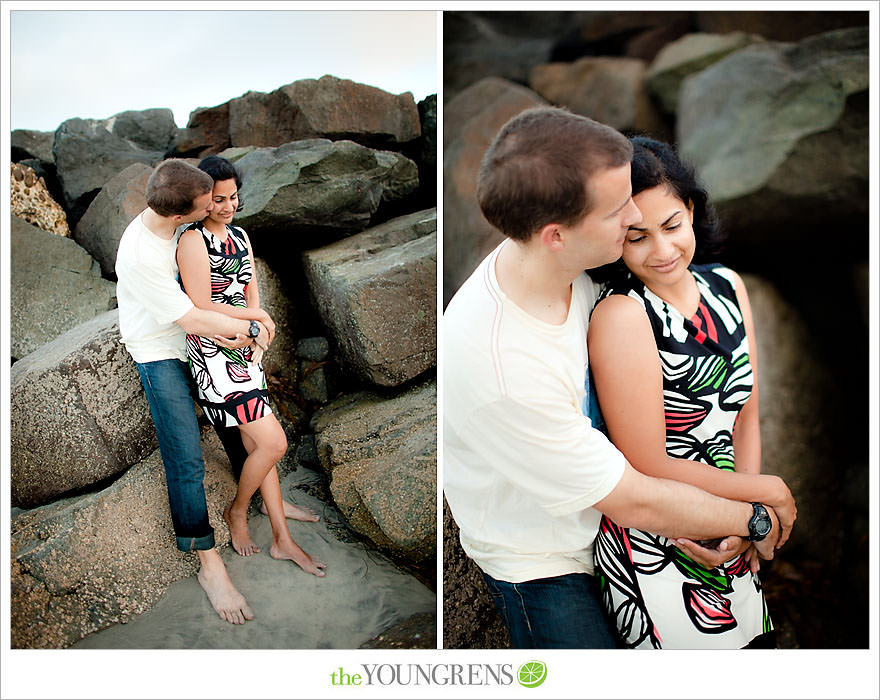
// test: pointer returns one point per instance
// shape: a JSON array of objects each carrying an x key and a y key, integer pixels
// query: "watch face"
[{"x": 763, "y": 525}]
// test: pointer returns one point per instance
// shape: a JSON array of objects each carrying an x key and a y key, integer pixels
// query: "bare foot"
[
  {"x": 292, "y": 551},
  {"x": 229, "y": 604},
  {"x": 238, "y": 531},
  {"x": 306, "y": 515}
]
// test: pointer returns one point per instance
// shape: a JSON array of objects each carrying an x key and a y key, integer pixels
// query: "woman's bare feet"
[
  {"x": 288, "y": 549},
  {"x": 306, "y": 515},
  {"x": 238, "y": 531},
  {"x": 228, "y": 603}
]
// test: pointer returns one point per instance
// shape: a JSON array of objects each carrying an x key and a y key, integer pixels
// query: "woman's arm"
[
  {"x": 629, "y": 384},
  {"x": 747, "y": 433},
  {"x": 195, "y": 273},
  {"x": 252, "y": 291}
]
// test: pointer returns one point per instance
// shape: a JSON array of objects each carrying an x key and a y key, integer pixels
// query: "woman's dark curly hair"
[
  {"x": 221, "y": 169},
  {"x": 655, "y": 163}
]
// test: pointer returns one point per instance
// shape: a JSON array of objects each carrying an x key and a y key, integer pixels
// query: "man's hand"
[
  {"x": 768, "y": 546},
  {"x": 729, "y": 548},
  {"x": 241, "y": 340}
]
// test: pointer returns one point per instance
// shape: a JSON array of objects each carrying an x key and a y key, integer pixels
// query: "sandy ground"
[{"x": 362, "y": 595}]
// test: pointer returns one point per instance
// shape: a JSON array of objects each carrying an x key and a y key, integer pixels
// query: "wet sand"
[{"x": 362, "y": 595}]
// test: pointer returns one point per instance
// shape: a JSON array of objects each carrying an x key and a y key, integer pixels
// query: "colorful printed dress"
[
  {"x": 657, "y": 595},
  {"x": 231, "y": 388}
]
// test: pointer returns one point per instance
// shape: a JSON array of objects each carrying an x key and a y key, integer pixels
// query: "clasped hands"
[{"x": 260, "y": 344}]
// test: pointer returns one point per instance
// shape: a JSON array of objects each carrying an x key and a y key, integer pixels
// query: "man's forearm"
[
  {"x": 673, "y": 509},
  {"x": 208, "y": 323}
]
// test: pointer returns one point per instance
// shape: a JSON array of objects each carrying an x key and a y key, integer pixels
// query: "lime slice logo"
[{"x": 531, "y": 674}]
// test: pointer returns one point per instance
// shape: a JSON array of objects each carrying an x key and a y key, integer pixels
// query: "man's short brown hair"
[
  {"x": 174, "y": 185},
  {"x": 538, "y": 168}
]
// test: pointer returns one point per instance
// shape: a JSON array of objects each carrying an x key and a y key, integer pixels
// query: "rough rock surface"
[
  {"x": 687, "y": 55},
  {"x": 280, "y": 359},
  {"x": 29, "y": 199},
  {"x": 381, "y": 457},
  {"x": 119, "y": 201},
  {"x": 472, "y": 119},
  {"x": 207, "y": 132},
  {"x": 332, "y": 187},
  {"x": 377, "y": 293},
  {"x": 27, "y": 143},
  {"x": 325, "y": 108},
  {"x": 797, "y": 443},
  {"x": 84, "y": 563},
  {"x": 470, "y": 620},
  {"x": 55, "y": 284},
  {"x": 89, "y": 152},
  {"x": 78, "y": 413},
  {"x": 610, "y": 90},
  {"x": 757, "y": 123}
]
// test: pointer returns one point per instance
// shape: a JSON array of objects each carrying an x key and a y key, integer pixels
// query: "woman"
[
  {"x": 672, "y": 354},
  {"x": 218, "y": 273}
]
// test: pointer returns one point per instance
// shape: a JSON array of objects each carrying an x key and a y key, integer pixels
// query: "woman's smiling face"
[
  {"x": 659, "y": 249},
  {"x": 225, "y": 199}
]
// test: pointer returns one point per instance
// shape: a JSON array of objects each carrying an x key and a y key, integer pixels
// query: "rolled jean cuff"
[{"x": 188, "y": 544}]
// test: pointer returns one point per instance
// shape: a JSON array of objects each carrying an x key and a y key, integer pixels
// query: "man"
[
  {"x": 527, "y": 477},
  {"x": 154, "y": 317}
]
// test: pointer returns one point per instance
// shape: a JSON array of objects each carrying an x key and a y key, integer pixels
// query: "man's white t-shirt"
[
  {"x": 522, "y": 463},
  {"x": 149, "y": 295}
]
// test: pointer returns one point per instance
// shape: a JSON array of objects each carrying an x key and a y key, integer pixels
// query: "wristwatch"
[
  {"x": 759, "y": 524},
  {"x": 254, "y": 330}
]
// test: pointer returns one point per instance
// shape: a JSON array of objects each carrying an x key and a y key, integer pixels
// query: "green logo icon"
[{"x": 531, "y": 674}]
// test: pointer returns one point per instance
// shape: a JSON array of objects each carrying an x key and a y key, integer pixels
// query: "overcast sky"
[{"x": 96, "y": 63}]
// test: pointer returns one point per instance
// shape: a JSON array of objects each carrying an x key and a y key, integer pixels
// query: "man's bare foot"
[
  {"x": 292, "y": 551},
  {"x": 238, "y": 531},
  {"x": 306, "y": 515},
  {"x": 228, "y": 603}
]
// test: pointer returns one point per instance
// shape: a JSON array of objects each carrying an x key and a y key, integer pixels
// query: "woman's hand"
[
  {"x": 729, "y": 548},
  {"x": 264, "y": 318},
  {"x": 785, "y": 509},
  {"x": 257, "y": 354}
]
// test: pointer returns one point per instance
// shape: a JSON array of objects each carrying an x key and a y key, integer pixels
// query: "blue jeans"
[
  {"x": 560, "y": 612},
  {"x": 167, "y": 384}
]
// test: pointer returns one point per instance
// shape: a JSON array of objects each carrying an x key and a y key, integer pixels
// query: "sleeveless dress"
[
  {"x": 657, "y": 596},
  {"x": 231, "y": 387}
]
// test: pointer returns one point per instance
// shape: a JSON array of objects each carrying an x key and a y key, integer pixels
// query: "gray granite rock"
[
  {"x": 376, "y": 293},
  {"x": 78, "y": 413},
  {"x": 381, "y": 457},
  {"x": 55, "y": 286}
]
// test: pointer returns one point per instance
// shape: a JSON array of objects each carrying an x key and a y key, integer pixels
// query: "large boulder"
[
  {"x": 30, "y": 199},
  {"x": 89, "y": 152},
  {"x": 381, "y": 457},
  {"x": 280, "y": 360},
  {"x": 26, "y": 143},
  {"x": 779, "y": 133},
  {"x": 78, "y": 413},
  {"x": 471, "y": 121},
  {"x": 687, "y": 55},
  {"x": 610, "y": 90},
  {"x": 326, "y": 108},
  {"x": 120, "y": 200},
  {"x": 377, "y": 294},
  {"x": 777, "y": 25},
  {"x": 206, "y": 133},
  {"x": 317, "y": 188},
  {"x": 795, "y": 392},
  {"x": 84, "y": 563},
  {"x": 56, "y": 286}
]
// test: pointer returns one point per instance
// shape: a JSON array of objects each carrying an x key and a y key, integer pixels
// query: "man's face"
[
  {"x": 202, "y": 205},
  {"x": 597, "y": 239}
]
